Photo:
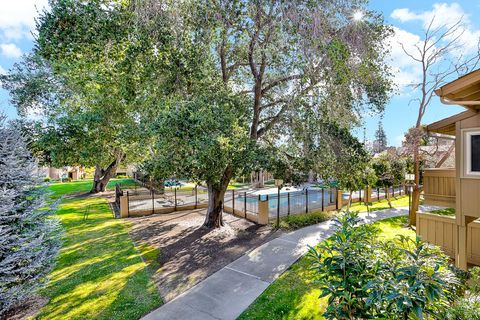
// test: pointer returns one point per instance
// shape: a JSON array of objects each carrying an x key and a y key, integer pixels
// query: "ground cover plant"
[
  {"x": 468, "y": 306},
  {"x": 99, "y": 274}
]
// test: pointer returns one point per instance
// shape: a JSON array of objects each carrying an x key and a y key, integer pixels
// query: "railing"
[
  {"x": 442, "y": 231},
  {"x": 244, "y": 203},
  {"x": 439, "y": 187},
  {"x": 143, "y": 201}
]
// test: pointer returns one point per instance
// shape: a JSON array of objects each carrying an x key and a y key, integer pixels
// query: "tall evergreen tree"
[
  {"x": 380, "y": 143},
  {"x": 29, "y": 236}
]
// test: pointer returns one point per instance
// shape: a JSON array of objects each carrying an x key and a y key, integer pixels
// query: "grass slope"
[
  {"x": 99, "y": 273},
  {"x": 294, "y": 295},
  {"x": 83, "y": 186}
]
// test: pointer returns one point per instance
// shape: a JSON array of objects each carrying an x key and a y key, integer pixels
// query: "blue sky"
[{"x": 407, "y": 17}]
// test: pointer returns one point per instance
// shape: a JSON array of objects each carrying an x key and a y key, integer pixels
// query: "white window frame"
[{"x": 467, "y": 135}]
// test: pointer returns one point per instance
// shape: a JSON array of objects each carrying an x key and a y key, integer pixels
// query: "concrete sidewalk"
[{"x": 229, "y": 291}]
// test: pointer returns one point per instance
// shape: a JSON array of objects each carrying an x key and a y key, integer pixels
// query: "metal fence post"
[
  {"x": 175, "y": 199},
  {"x": 278, "y": 208},
  {"x": 336, "y": 198},
  {"x": 153, "y": 202},
  {"x": 245, "y": 203},
  {"x": 128, "y": 204},
  {"x": 378, "y": 194},
  {"x": 306, "y": 200},
  {"x": 323, "y": 198},
  {"x": 288, "y": 202},
  {"x": 233, "y": 201},
  {"x": 196, "y": 196}
]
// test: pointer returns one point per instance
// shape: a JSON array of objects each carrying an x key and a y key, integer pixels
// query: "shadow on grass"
[
  {"x": 294, "y": 295},
  {"x": 99, "y": 273}
]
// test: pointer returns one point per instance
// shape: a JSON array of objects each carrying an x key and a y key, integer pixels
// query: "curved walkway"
[{"x": 228, "y": 292}]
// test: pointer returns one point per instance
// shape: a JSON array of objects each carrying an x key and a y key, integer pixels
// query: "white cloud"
[
  {"x": 17, "y": 18},
  {"x": 444, "y": 15},
  {"x": 405, "y": 70},
  {"x": 404, "y": 15},
  {"x": 10, "y": 50},
  {"x": 399, "y": 140}
]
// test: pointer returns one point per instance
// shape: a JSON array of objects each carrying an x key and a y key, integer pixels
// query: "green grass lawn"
[
  {"x": 99, "y": 272},
  {"x": 380, "y": 205},
  {"x": 294, "y": 295},
  {"x": 238, "y": 185},
  {"x": 83, "y": 186},
  {"x": 296, "y": 221},
  {"x": 444, "y": 212}
]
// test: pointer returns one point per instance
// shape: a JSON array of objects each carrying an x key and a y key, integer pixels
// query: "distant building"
[{"x": 74, "y": 173}]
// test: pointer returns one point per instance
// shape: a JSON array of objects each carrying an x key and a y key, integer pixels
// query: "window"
[{"x": 472, "y": 153}]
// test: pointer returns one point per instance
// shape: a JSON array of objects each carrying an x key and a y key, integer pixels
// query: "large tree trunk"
[
  {"x": 216, "y": 193},
  {"x": 350, "y": 198},
  {"x": 102, "y": 177}
]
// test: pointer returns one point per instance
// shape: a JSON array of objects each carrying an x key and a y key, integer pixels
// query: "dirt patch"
[
  {"x": 188, "y": 253},
  {"x": 27, "y": 309}
]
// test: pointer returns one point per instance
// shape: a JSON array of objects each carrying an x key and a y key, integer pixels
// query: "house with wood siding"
[{"x": 457, "y": 187}]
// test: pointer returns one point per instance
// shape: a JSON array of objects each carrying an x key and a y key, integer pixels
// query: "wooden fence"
[
  {"x": 439, "y": 187},
  {"x": 442, "y": 231}
]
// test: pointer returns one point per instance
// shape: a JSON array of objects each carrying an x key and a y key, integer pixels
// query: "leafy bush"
[
  {"x": 367, "y": 278},
  {"x": 467, "y": 307},
  {"x": 296, "y": 221},
  {"x": 464, "y": 309},
  {"x": 473, "y": 284},
  {"x": 46, "y": 179},
  {"x": 121, "y": 176}
]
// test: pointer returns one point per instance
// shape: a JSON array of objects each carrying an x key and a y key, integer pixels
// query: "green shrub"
[
  {"x": 46, "y": 179},
  {"x": 473, "y": 284},
  {"x": 296, "y": 221},
  {"x": 366, "y": 278},
  {"x": 122, "y": 176},
  {"x": 463, "y": 309},
  {"x": 467, "y": 306}
]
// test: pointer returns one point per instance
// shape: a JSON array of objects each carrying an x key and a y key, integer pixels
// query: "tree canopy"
[
  {"x": 302, "y": 68},
  {"x": 275, "y": 85}
]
